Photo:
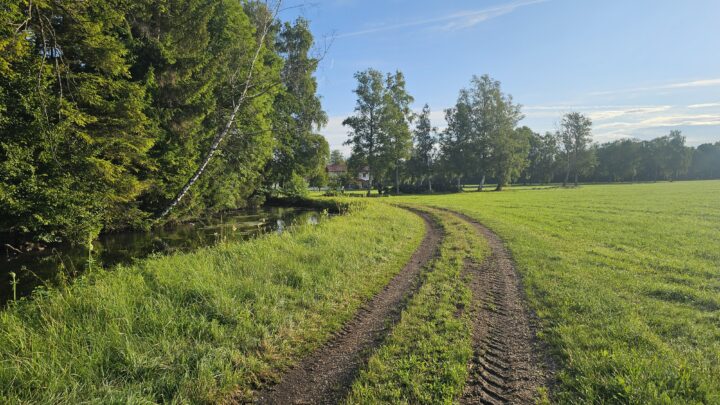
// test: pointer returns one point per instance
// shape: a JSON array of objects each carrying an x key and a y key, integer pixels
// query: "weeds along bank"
[
  {"x": 625, "y": 280},
  {"x": 197, "y": 327}
]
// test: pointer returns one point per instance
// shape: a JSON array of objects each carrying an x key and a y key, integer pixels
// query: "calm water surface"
[{"x": 50, "y": 265}]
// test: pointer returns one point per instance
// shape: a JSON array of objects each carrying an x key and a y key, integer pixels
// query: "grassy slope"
[
  {"x": 424, "y": 360},
  {"x": 626, "y": 280},
  {"x": 196, "y": 327}
]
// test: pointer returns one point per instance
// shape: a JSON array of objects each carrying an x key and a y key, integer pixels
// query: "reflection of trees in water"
[{"x": 58, "y": 263}]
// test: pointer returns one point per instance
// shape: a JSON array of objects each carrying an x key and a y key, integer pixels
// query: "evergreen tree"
[{"x": 74, "y": 134}]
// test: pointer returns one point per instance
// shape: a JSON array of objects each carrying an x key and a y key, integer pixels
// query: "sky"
[{"x": 638, "y": 68}]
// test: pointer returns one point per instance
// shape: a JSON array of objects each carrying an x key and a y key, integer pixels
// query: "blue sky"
[{"x": 639, "y": 68}]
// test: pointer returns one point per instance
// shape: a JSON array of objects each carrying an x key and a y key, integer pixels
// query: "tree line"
[
  {"x": 117, "y": 114},
  {"x": 483, "y": 142}
]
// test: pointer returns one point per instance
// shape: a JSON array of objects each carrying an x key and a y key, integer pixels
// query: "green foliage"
[
  {"x": 200, "y": 327},
  {"x": 367, "y": 133},
  {"x": 75, "y": 132},
  {"x": 395, "y": 123},
  {"x": 543, "y": 159},
  {"x": 576, "y": 136},
  {"x": 481, "y": 138},
  {"x": 107, "y": 109},
  {"x": 706, "y": 161},
  {"x": 296, "y": 187},
  {"x": 425, "y": 139},
  {"x": 297, "y": 110}
]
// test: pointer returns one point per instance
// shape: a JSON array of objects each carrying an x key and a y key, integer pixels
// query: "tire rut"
[
  {"x": 325, "y": 376},
  {"x": 506, "y": 366}
]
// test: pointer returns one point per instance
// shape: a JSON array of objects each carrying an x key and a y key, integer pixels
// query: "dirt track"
[
  {"x": 506, "y": 366},
  {"x": 326, "y": 376}
]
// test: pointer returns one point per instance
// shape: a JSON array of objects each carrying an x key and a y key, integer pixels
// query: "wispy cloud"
[
  {"x": 632, "y": 121},
  {"x": 670, "y": 86},
  {"x": 609, "y": 122},
  {"x": 675, "y": 120},
  {"x": 456, "y": 21},
  {"x": 706, "y": 105}
]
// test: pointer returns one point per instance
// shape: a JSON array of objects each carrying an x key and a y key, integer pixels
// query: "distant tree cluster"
[
  {"x": 483, "y": 142},
  {"x": 115, "y": 113}
]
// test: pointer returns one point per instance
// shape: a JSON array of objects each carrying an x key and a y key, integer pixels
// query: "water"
[{"x": 49, "y": 265}]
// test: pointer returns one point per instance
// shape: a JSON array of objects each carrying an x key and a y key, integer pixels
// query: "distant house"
[
  {"x": 364, "y": 174},
  {"x": 335, "y": 171},
  {"x": 338, "y": 170}
]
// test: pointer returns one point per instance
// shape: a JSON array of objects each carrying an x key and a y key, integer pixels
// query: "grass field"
[
  {"x": 424, "y": 360},
  {"x": 195, "y": 328},
  {"x": 625, "y": 280}
]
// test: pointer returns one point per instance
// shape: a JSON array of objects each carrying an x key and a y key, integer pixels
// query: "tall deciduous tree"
[
  {"x": 481, "y": 137},
  {"x": 337, "y": 157},
  {"x": 542, "y": 158},
  {"x": 425, "y": 141},
  {"x": 503, "y": 147},
  {"x": 366, "y": 134},
  {"x": 395, "y": 123},
  {"x": 456, "y": 141},
  {"x": 298, "y": 113},
  {"x": 576, "y": 135}
]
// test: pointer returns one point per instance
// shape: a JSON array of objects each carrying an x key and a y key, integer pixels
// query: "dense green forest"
[
  {"x": 482, "y": 141},
  {"x": 114, "y": 114},
  {"x": 125, "y": 114}
]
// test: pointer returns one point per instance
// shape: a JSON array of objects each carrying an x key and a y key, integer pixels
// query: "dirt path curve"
[
  {"x": 507, "y": 366},
  {"x": 326, "y": 375}
]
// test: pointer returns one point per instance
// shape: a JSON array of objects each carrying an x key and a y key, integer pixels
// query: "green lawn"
[
  {"x": 196, "y": 328},
  {"x": 625, "y": 280}
]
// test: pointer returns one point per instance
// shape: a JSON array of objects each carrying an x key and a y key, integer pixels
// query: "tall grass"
[
  {"x": 203, "y": 326},
  {"x": 626, "y": 281}
]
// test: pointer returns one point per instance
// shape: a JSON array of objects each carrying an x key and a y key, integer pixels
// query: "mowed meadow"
[{"x": 625, "y": 280}]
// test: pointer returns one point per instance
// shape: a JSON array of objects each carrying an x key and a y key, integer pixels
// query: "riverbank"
[{"x": 197, "y": 327}]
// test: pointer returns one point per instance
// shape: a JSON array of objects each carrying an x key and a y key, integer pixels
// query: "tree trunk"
[
  {"x": 369, "y": 187},
  {"x": 430, "y": 185},
  {"x": 397, "y": 177},
  {"x": 576, "y": 178},
  {"x": 567, "y": 174},
  {"x": 482, "y": 183}
]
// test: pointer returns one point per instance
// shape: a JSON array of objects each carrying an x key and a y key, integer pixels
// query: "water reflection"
[{"x": 38, "y": 265}]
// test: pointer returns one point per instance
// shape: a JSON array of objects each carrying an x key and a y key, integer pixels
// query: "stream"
[{"x": 57, "y": 263}]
